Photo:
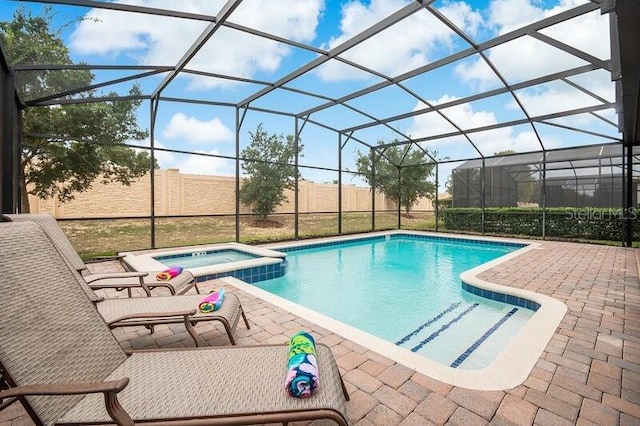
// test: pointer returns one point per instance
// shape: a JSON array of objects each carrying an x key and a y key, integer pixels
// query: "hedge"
[{"x": 583, "y": 223}]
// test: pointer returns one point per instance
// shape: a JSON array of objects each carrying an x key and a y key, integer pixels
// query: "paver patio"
[{"x": 588, "y": 374}]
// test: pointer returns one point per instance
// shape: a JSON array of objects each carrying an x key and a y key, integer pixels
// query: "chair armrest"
[
  {"x": 144, "y": 315},
  {"x": 96, "y": 285},
  {"x": 89, "y": 279},
  {"x": 109, "y": 389},
  {"x": 65, "y": 388},
  {"x": 99, "y": 282}
]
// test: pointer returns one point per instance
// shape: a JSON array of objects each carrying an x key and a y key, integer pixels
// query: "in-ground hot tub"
[{"x": 248, "y": 263}]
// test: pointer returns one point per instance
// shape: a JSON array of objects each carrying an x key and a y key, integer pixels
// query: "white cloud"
[
  {"x": 163, "y": 158},
  {"x": 598, "y": 82},
  {"x": 205, "y": 165},
  {"x": 551, "y": 98},
  {"x": 507, "y": 15},
  {"x": 462, "y": 15},
  {"x": 505, "y": 139},
  {"x": 465, "y": 117},
  {"x": 147, "y": 38},
  {"x": 462, "y": 115},
  {"x": 191, "y": 164},
  {"x": 191, "y": 129},
  {"x": 162, "y": 41},
  {"x": 526, "y": 57},
  {"x": 403, "y": 47},
  {"x": 589, "y": 32},
  {"x": 521, "y": 59}
]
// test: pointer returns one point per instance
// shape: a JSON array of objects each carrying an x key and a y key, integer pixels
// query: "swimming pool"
[
  {"x": 513, "y": 335},
  {"x": 406, "y": 289}
]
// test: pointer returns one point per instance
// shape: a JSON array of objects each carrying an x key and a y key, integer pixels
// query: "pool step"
[
  {"x": 495, "y": 342},
  {"x": 482, "y": 339},
  {"x": 446, "y": 327},
  {"x": 463, "y": 334},
  {"x": 429, "y": 322}
]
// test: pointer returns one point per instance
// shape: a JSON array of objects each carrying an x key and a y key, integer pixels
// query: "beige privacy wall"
[{"x": 185, "y": 194}]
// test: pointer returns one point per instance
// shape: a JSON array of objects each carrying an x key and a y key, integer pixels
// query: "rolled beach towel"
[
  {"x": 212, "y": 302},
  {"x": 302, "y": 368},
  {"x": 172, "y": 272}
]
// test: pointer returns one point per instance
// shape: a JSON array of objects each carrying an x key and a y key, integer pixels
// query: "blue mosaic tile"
[
  {"x": 500, "y": 297},
  {"x": 250, "y": 275},
  {"x": 330, "y": 243},
  {"x": 400, "y": 236}
]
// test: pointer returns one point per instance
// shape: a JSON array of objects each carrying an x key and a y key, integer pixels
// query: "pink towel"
[
  {"x": 212, "y": 302},
  {"x": 172, "y": 272}
]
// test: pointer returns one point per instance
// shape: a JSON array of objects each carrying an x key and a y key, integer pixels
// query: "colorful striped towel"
[
  {"x": 302, "y": 372},
  {"x": 172, "y": 272},
  {"x": 212, "y": 302}
]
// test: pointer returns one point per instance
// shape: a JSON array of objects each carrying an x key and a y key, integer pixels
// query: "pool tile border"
[
  {"x": 396, "y": 234},
  {"x": 501, "y": 297},
  {"x": 250, "y": 275}
]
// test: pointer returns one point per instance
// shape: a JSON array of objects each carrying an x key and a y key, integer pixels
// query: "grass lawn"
[{"x": 108, "y": 236}]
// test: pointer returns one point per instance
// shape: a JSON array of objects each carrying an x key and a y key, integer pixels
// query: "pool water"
[
  {"x": 406, "y": 291},
  {"x": 204, "y": 258}
]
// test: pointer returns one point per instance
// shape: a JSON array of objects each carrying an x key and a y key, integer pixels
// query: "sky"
[{"x": 100, "y": 36}]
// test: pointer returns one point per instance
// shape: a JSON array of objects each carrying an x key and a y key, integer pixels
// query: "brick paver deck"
[{"x": 588, "y": 374}]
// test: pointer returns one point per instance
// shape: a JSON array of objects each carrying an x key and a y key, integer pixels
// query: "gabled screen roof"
[{"x": 466, "y": 79}]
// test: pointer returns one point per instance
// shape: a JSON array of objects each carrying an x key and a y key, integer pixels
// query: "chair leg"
[
  {"x": 344, "y": 389},
  {"x": 244, "y": 317},
  {"x": 191, "y": 331},
  {"x": 227, "y": 327},
  {"x": 4, "y": 385}
]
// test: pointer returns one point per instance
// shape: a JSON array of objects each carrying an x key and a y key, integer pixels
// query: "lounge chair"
[
  {"x": 181, "y": 284},
  {"x": 152, "y": 311},
  {"x": 61, "y": 359}
]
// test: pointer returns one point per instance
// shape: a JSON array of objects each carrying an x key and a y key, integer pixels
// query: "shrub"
[{"x": 582, "y": 223}]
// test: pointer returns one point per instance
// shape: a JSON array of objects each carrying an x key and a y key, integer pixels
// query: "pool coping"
[{"x": 509, "y": 369}]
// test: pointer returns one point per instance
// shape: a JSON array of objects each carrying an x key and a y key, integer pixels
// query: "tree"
[
  {"x": 67, "y": 163},
  {"x": 267, "y": 162},
  {"x": 400, "y": 175}
]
